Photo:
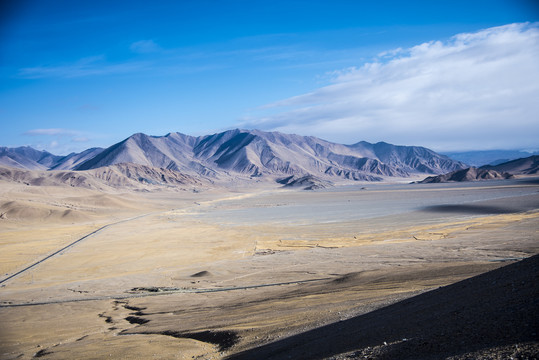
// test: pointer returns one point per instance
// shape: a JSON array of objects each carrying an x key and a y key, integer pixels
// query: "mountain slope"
[
  {"x": 72, "y": 160},
  {"x": 258, "y": 153},
  {"x": 414, "y": 158}
]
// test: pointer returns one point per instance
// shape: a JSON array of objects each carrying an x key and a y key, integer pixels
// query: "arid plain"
[{"x": 210, "y": 272}]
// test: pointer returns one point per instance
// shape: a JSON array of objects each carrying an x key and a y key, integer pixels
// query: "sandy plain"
[{"x": 222, "y": 272}]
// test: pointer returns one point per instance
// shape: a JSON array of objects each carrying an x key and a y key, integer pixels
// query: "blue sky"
[{"x": 449, "y": 75}]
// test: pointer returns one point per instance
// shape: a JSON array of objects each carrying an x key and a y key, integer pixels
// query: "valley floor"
[{"x": 269, "y": 273}]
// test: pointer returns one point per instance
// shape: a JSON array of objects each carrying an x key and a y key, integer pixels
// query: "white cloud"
[{"x": 474, "y": 91}]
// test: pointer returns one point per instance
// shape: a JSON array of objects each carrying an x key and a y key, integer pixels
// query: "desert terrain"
[{"x": 251, "y": 270}]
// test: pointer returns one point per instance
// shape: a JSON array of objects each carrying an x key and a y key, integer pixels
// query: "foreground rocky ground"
[{"x": 490, "y": 316}]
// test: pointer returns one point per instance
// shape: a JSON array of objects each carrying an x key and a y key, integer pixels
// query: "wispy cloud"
[
  {"x": 169, "y": 64},
  {"x": 476, "y": 90},
  {"x": 145, "y": 47},
  {"x": 179, "y": 61},
  {"x": 52, "y": 132},
  {"x": 58, "y": 140},
  {"x": 80, "y": 139},
  {"x": 88, "y": 107},
  {"x": 95, "y": 65}
]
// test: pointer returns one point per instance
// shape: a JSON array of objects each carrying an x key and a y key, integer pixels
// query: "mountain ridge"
[
  {"x": 523, "y": 166},
  {"x": 256, "y": 153}
]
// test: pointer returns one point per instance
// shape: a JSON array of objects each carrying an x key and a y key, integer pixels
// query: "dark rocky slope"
[
  {"x": 470, "y": 174},
  {"x": 491, "y": 316}
]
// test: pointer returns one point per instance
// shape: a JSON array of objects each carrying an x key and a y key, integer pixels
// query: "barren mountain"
[
  {"x": 249, "y": 153},
  {"x": 173, "y": 152},
  {"x": 470, "y": 174},
  {"x": 120, "y": 175},
  {"x": 257, "y": 153}
]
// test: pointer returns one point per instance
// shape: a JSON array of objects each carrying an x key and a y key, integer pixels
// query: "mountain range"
[
  {"x": 489, "y": 157},
  {"x": 250, "y": 153}
]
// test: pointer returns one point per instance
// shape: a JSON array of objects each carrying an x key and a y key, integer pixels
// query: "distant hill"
[
  {"x": 25, "y": 157},
  {"x": 524, "y": 166},
  {"x": 115, "y": 176},
  {"x": 307, "y": 182},
  {"x": 256, "y": 153},
  {"x": 470, "y": 174},
  {"x": 488, "y": 157}
]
